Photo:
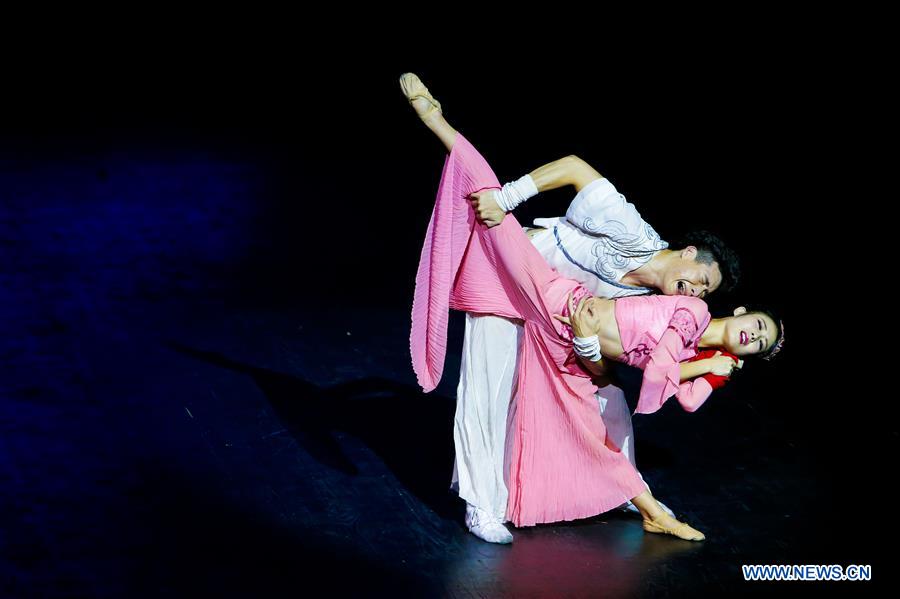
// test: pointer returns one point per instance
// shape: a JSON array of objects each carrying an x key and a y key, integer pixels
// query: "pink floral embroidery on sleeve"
[{"x": 685, "y": 324}]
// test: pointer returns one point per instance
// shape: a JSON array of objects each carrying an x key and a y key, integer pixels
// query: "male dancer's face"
[{"x": 686, "y": 276}]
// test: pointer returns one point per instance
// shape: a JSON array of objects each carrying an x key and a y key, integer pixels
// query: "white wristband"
[
  {"x": 588, "y": 347},
  {"x": 515, "y": 193}
]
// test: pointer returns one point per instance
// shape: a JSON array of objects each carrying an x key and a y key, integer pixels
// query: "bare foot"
[
  {"x": 418, "y": 95},
  {"x": 666, "y": 524}
]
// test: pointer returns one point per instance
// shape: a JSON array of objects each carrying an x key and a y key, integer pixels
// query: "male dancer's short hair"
[{"x": 710, "y": 248}]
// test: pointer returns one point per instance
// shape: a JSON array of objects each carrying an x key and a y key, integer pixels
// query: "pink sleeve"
[
  {"x": 691, "y": 394},
  {"x": 662, "y": 372}
]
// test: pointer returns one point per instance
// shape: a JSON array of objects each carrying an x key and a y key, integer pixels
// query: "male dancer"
[{"x": 603, "y": 243}]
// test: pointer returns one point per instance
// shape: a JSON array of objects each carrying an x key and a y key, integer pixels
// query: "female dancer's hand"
[
  {"x": 582, "y": 319},
  {"x": 723, "y": 365},
  {"x": 486, "y": 208}
]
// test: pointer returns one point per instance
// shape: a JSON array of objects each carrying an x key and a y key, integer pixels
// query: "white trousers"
[{"x": 485, "y": 404}]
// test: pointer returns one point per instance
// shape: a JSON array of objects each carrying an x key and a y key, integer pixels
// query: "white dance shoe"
[
  {"x": 485, "y": 526},
  {"x": 630, "y": 507}
]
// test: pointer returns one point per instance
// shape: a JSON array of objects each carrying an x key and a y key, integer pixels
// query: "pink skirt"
[{"x": 562, "y": 467}]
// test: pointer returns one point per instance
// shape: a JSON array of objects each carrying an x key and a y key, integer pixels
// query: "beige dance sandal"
[
  {"x": 413, "y": 88},
  {"x": 682, "y": 531}
]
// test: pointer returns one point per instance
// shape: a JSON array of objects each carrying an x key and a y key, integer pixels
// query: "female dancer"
[{"x": 561, "y": 467}]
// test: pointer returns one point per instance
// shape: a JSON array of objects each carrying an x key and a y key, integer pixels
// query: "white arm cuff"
[
  {"x": 588, "y": 347},
  {"x": 515, "y": 193}
]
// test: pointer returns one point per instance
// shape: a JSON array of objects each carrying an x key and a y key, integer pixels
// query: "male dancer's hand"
[{"x": 486, "y": 208}]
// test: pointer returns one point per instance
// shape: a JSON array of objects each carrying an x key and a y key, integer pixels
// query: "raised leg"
[{"x": 428, "y": 109}]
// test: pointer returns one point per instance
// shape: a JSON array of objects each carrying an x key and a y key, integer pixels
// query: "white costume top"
[{"x": 600, "y": 240}]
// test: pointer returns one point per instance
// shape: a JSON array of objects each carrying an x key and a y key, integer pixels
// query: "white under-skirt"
[{"x": 485, "y": 404}]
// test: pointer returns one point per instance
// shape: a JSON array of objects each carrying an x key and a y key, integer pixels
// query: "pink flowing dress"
[{"x": 561, "y": 466}]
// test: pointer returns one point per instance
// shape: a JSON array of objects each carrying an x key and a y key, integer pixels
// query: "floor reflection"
[{"x": 600, "y": 557}]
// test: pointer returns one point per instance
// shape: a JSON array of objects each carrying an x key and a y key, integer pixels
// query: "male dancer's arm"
[{"x": 568, "y": 170}]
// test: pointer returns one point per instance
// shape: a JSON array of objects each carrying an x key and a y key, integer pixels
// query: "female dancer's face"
[{"x": 749, "y": 333}]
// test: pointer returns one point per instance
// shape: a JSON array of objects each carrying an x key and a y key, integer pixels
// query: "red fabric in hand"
[{"x": 715, "y": 380}]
